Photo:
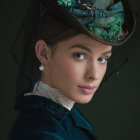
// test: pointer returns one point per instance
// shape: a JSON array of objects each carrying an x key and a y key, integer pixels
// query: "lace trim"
[{"x": 43, "y": 89}]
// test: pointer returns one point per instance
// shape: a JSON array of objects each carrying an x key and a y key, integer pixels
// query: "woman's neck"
[{"x": 43, "y": 89}]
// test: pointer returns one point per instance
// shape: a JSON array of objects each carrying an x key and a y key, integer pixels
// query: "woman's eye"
[
  {"x": 103, "y": 60},
  {"x": 79, "y": 56}
]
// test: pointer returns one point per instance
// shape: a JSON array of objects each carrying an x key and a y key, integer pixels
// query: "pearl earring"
[{"x": 41, "y": 68}]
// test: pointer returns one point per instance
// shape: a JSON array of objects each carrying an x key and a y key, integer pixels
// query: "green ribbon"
[{"x": 104, "y": 23}]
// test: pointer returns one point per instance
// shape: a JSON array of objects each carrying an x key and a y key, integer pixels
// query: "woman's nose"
[{"x": 92, "y": 72}]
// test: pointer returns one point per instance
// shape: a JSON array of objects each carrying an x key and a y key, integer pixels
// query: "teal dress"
[{"x": 43, "y": 119}]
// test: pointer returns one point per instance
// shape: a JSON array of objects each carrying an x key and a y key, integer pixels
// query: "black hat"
[{"x": 108, "y": 21}]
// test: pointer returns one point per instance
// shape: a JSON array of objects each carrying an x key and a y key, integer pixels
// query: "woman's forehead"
[{"x": 83, "y": 41}]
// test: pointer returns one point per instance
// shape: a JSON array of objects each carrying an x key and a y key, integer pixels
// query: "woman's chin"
[{"x": 83, "y": 101}]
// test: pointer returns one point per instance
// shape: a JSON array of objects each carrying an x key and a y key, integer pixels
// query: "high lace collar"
[{"x": 43, "y": 89}]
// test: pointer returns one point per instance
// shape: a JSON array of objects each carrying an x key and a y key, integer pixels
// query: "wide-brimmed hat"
[
  {"x": 108, "y": 21},
  {"x": 111, "y": 22}
]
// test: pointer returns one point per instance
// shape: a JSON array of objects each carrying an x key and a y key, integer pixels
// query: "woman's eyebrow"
[
  {"x": 87, "y": 49},
  {"x": 106, "y": 52},
  {"x": 81, "y": 47}
]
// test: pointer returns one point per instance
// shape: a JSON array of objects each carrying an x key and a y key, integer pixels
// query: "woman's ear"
[{"x": 43, "y": 52}]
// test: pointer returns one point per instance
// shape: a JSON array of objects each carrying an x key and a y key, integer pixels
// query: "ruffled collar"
[{"x": 43, "y": 89}]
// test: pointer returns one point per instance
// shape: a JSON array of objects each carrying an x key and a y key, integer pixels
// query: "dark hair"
[{"x": 52, "y": 31}]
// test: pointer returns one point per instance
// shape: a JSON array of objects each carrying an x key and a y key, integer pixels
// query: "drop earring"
[{"x": 41, "y": 68}]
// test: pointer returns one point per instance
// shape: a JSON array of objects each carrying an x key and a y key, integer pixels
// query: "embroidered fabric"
[
  {"x": 35, "y": 103},
  {"x": 43, "y": 89}
]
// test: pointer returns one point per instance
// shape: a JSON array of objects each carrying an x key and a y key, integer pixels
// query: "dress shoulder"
[{"x": 81, "y": 119}]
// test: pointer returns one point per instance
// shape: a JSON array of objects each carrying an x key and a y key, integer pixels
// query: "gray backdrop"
[{"x": 114, "y": 110}]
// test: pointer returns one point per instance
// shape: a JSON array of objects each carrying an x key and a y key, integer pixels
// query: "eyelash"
[
  {"x": 75, "y": 55},
  {"x": 79, "y": 53},
  {"x": 107, "y": 59}
]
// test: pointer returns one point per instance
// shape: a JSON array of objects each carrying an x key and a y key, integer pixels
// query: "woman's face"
[{"x": 77, "y": 62}]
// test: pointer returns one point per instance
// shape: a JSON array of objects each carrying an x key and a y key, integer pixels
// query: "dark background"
[{"x": 114, "y": 110}]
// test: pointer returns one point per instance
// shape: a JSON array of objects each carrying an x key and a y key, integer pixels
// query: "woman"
[{"x": 71, "y": 43}]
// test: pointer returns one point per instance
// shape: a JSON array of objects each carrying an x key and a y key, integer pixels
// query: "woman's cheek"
[{"x": 69, "y": 70}]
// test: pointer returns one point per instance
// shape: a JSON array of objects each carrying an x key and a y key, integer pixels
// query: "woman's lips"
[{"x": 87, "y": 89}]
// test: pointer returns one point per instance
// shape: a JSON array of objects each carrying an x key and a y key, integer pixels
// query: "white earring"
[{"x": 41, "y": 68}]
